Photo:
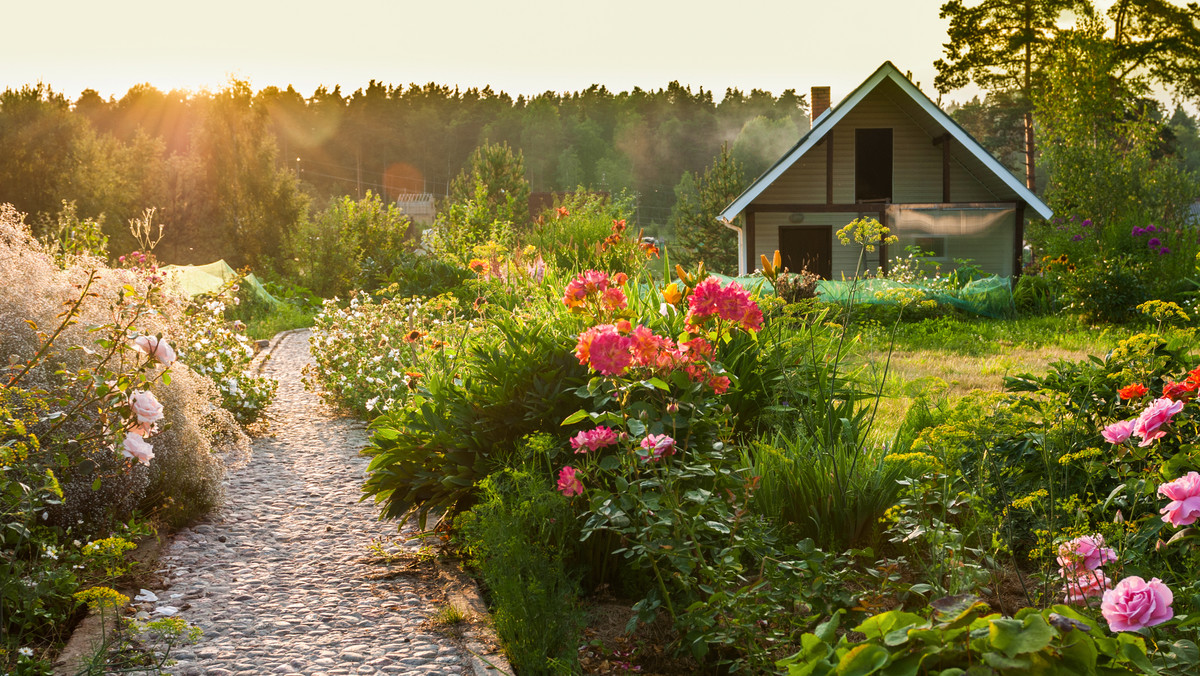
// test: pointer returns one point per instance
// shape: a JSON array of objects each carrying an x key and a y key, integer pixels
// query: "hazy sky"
[{"x": 527, "y": 46}]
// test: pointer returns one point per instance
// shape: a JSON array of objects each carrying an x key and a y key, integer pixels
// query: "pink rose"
[
  {"x": 1157, "y": 414},
  {"x": 1184, "y": 494},
  {"x": 1083, "y": 554},
  {"x": 136, "y": 447},
  {"x": 593, "y": 440},
  {"x": 1135, "y": 603},
  {"x": 155, "y": 347},
  {"x": 1093, "y": 583},
  {"x": 1118, "y": 432},
  {"x": 568, "y": 483},
  {"x": 657, "y": 445},
  {"x": 147, "y": 409}
]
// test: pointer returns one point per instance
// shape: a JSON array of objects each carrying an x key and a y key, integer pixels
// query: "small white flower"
[
  {"x": 371, "y": 403},
  {"x": 27, "y": 652}
]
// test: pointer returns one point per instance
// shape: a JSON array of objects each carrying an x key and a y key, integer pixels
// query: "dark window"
[{"x": 872, "y": 165}]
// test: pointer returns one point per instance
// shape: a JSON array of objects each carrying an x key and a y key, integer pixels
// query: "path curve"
[{"x": 275, "y": 579}]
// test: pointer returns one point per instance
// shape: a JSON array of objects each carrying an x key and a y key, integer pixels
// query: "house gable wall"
[{"x": 917, "y": 162}]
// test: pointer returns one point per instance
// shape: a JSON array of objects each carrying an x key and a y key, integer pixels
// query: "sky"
[{"x": 521, "y": 47}]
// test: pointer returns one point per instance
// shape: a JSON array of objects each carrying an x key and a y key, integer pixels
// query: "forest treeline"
[{"x": 231, "y": 172}]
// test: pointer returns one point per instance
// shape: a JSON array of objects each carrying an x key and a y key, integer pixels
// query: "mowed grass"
[{"x": 950, "y": 357}]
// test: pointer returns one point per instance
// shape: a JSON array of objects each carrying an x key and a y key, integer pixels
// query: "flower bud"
[
  {"x": 727, "y": 410},
  {"x": 672, "y": 408}
]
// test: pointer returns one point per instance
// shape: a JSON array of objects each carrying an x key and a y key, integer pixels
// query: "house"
[{"x": 886, "y": 151}]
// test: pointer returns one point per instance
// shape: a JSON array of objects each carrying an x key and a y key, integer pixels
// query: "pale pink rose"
[
  {"x": 1083, "y": 554},
  {"x": 136, "y": 447},
  {"x": 1184, "y": 494},
  {"x": 155, "y": 347},
  {"x": 1157, "y": 414},
  {"x": 1118, "y": 432},
  {"x": 1093, "y": 583},
  {"x": 146, "y": 407},
  {"x": 1135, "y": 603}
]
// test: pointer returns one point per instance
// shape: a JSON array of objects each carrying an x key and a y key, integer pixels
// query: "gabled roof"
[{"x": 829, "y": 119}]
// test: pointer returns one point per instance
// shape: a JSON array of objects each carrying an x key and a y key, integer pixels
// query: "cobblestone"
[{"x": 274, "y": 579}]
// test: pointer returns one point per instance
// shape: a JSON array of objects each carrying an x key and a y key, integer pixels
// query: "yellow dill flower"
[
  {"x": 1030, "y": 500},
  {"x": 101, "y": 598}
]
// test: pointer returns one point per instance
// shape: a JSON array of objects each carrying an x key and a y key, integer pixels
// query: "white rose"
[
  {"x": 136, "y": 447},
  {"x": 146, "y": 407}
]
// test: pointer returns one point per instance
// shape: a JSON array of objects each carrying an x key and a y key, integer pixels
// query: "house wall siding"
[{"x": 916, "y": 178}]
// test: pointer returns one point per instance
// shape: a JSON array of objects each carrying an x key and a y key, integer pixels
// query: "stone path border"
[{"x": 278, "y": 579}]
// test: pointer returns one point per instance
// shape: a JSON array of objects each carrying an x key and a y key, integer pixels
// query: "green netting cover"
[
  {"x": 755, "y": 284},
  {"x": 989, "y": 296},
  {"x": 198, "y": 279}
]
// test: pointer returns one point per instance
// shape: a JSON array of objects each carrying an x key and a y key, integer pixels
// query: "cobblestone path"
[{"x": 274, "y": 578}]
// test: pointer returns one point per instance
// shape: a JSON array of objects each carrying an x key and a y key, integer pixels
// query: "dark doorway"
[
  {"x": 872, "y": 165},
  {"x": 807, "y": 246}
]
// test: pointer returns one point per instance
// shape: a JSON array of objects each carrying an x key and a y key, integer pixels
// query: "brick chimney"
[{"x": 820, "y": 101}]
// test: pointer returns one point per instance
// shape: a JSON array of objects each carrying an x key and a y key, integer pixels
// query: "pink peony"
[
  {"x": 147, "y": 409},
  {"x": 1083, "y": 554},
  {"x": 1150, "y": 422},
  {"x": 594, "y": 440},
  {"x": 569, "y": 483},
  {"x": 1135, "y": 603},
  {"x": 155, "y": 347},
  {"x": 1079, "y": 588},
  {"x": 136, "y": 447},
  {"x": 1118, "y": 432},
  {"x": 657, "y": 445},
  {"x": 1184, "y": 494},
  {"x": 613, "y": 299}
]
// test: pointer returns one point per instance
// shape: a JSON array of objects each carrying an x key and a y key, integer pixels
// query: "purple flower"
[
  {"x": 1087, "y": 223},
  {"x": 1154, "y": 243},
  {"x": 1151, "y": 228},
  {"x": 1137, "y": 231},
  {"x": 1077, "y": 238},
  {"x": 1164, "y": 251}
]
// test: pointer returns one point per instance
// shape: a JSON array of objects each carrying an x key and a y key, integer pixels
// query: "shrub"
[{"x": 518, "y": 537}]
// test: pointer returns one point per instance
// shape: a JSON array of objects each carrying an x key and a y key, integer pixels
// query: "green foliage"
[
  {"x": 214, "y": 347},
  {"x": 518, "y": 536},
  {"x": 69, "y": 236},
  {"x": 352, "y": 244},
  {"x": 494, "y": 179},
  {"x": 834, "y": 495},
  {"x": 959, "y": 637},
  {"x": 699, "y": 199},
  {"x": 588, "y": 231},
  {"x": 465, "y": 420}
]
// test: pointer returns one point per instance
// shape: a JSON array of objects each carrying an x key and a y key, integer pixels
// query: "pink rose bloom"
[
  {"x": 568, "y": 483},
  {"x": 1184, "y": 494},
  {"x": 1135, "y": 603},
  {"x": 1079, "y": 589},
  {"x": 1157, "y": 414},
  {"x": 609, "y": 352},
  {"x": 155, "y": 347},
  {"x": 1083, "y": 554},
  {"x": 1118, "y": 432},
  {"x": 136, "y": 447},
  {"x": 613, "y": 299},
  {"x": 147, "y": 409},
  {"x": 702, "y": 304},
  {"x": 657, "y": 446},
  {"x": 594, "y": 440}
]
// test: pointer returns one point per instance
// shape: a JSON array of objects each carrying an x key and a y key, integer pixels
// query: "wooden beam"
[
  {"x": 749, "y": 241},
  {"x": 1019, "y": 241},
  {"x": 829, "y": 167},
  {"x": 862, "y": 208}
]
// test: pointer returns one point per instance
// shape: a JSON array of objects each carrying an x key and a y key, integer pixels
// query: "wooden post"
[{"x": 749, "y": 240}]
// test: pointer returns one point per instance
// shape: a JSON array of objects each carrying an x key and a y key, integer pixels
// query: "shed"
[{"x": 888, "y": 152}]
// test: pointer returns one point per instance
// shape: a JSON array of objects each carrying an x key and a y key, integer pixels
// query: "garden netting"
[
  {"x": 198, "y": 279},
  {"x": 987, "y": 296}
]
